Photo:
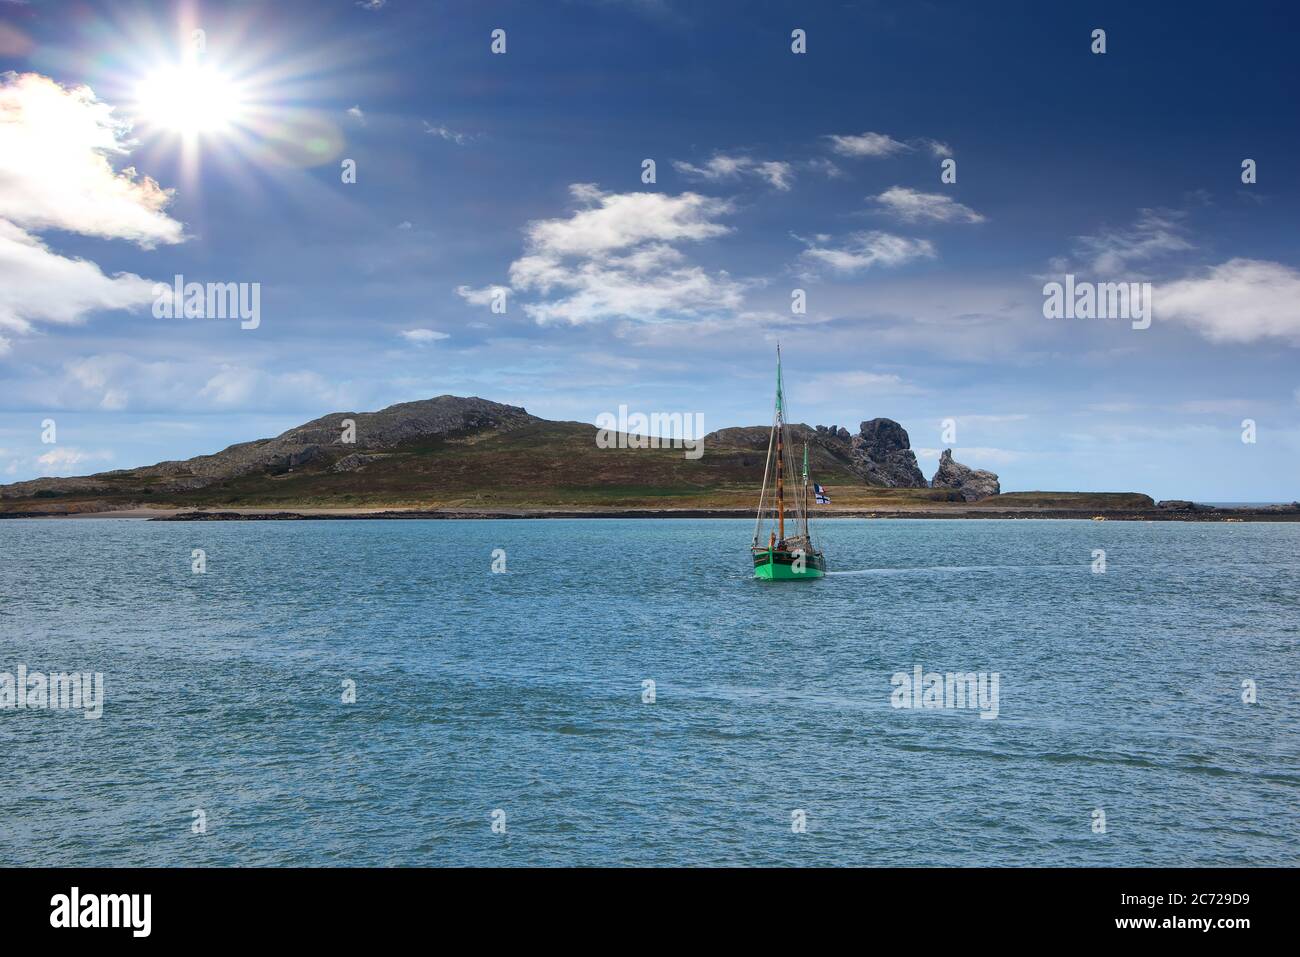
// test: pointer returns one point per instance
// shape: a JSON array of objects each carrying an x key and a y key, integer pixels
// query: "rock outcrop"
[
  {"x": 883, "y": 453},
  {"x": 1183, "y": 505},
  {"x": 973, "y": 484}
]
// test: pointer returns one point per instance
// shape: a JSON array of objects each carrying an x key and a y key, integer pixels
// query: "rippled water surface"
[{"x": 523, "y": 692}]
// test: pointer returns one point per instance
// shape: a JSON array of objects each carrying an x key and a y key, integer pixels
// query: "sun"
[
  {"x": 232, "y": 98},
  {"x": 191, "y": 99}
]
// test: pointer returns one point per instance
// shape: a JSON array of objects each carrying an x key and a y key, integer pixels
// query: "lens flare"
[{"x": 190, "y": 99}]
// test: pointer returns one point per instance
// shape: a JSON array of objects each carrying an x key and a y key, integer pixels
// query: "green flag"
[
  {"x": 779, "y": 399},
  {"x": 805, "y": 463}
]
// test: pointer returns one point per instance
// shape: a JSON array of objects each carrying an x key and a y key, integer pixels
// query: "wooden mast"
[
  {"x": 780, "y": 459},
  {"x": 806, "y": 539},
  {"x": 780, "y": 485}
]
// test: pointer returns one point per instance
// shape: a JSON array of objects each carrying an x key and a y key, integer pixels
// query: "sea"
[{"x": 623, "y": 692}]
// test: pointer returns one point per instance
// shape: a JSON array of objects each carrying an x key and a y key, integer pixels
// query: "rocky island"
[{"x": 450, "y": 457}]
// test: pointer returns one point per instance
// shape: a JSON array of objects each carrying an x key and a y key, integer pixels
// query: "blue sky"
[{"x": 775, "y": 171}]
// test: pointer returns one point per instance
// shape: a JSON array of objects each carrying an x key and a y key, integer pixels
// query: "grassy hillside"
[
  {"x": 553, "y": 464},
  {"x": 538, "y": 465}
]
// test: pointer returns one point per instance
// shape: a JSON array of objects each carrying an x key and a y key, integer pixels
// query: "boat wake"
[{"x": 952, "y": 568}]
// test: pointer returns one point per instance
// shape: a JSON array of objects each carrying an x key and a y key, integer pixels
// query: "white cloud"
[
  {"x": 912, "y": 206},
  {"x": 39, "y": 285},
  {"x": 1241, "y": 300},
  {"x": 421, "y": 336},
  {"x": 825, "y": 167},
  {"x": 55, "y": 145},
  {"x": 230, "y": 387},
  {"x": 615, "y": 221},
  {"x": 357, "y": 114},
  {"x": 116, "y": 381},
  {"x": 864, "y": 250},
  {"x": 235, "y": 386},
  {"x": 860, "y": 383},
  {"x": 1153, "y": 234},
  {"x": 615, "y": 258},
  {"x": 446, "y": 133},
  {"x": 778, "y": 174},
  {"x": 937, "y": 149},
  {"x": 63, "y": 456},
  {"x": 722, "y": 167},
  {"x": 719, "y": 167},
  {"x": 867, "y": 144},
  {"x": 481, "y": 297}
]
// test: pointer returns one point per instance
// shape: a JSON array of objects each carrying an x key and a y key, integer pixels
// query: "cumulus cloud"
[
  {"x": 617, "y": 257},
  {"x": 912, "y": 206},
  {"x": 357, "y": 114},
  {"x": 866, "y": 144},
  {"x": 613, "y": 221},
  {"x": 864, "y": 250},
  {"x": 55, "y": 173},
  {"x": 55, "y": 145},
  {"x": 39, "y": 285},
  {"x": 723, "y": 167},
  {"x": 1241, "y": 300}
]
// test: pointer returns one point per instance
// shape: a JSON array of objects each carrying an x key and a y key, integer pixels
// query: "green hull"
[{"x": 780, "y": 566}]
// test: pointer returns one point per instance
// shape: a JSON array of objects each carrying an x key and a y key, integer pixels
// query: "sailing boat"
[{"x": 784, "y": 557}]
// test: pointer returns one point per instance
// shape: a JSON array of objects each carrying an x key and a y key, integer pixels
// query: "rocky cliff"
[
  {"x": 883, "y": 451},
  {"x": 880, "y": 453}
]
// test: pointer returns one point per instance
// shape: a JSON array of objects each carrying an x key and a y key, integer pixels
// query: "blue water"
[{"x": 523, "y": 692}]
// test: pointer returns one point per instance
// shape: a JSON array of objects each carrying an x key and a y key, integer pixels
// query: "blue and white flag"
[{"x": 820, "y": 493}]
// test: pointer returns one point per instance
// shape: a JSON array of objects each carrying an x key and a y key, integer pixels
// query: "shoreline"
[{"x": 1200, "y": 514}]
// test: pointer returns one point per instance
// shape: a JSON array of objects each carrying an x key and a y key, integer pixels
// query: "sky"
[{"x": 133, "y": 150}]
